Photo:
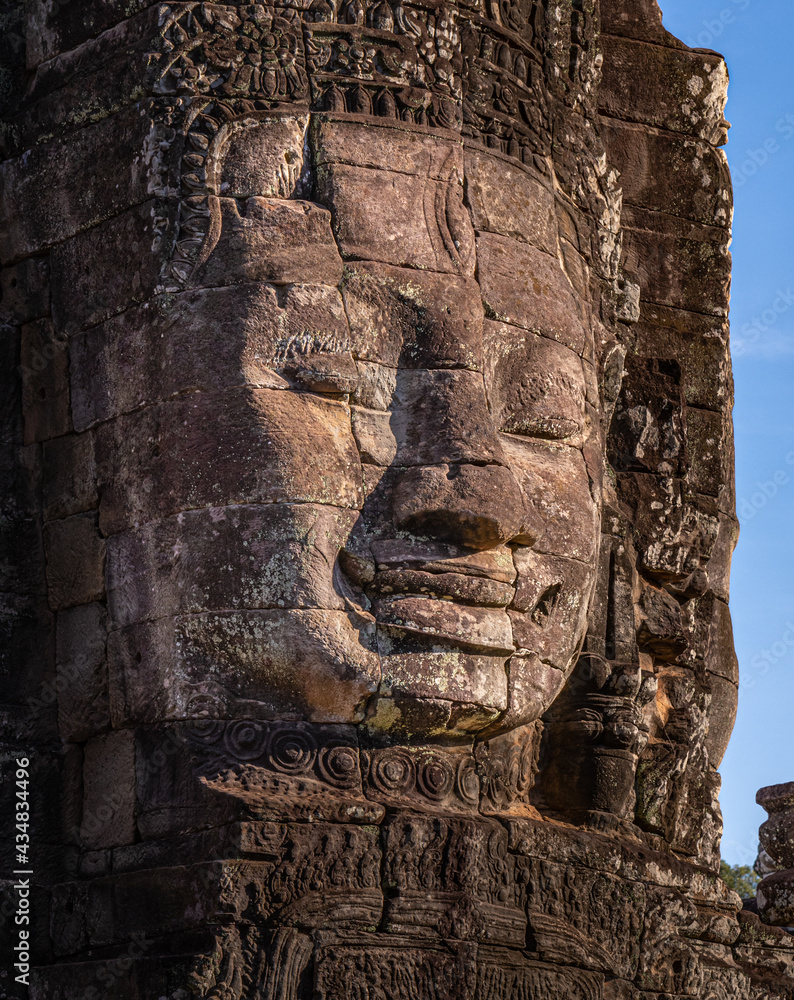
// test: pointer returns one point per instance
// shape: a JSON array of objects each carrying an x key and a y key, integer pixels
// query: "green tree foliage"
[{"x": 740, "y": 878}]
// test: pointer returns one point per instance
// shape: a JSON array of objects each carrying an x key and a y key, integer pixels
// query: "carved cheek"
[{"x": 555, "y": 483}]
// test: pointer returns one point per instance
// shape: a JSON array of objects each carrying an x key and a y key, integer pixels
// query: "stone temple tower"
[{"x": 368, "y": 506}]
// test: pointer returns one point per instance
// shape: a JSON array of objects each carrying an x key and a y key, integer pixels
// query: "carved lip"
[
  {"x": 495, "y": 565},
  {"x": 453, "y": 587},
  {"x": 483, "y": 629}
]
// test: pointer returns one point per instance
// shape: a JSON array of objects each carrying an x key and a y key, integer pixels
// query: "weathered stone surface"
[
  {"x": 242, "y": 663},
  {"x": 456, "y": 503},
  {"x": 45, "y": 382},
  {"x": 109, "y": 791},
  {"x": 83, "y": 708},
  {"x": 466, "y": 434},
  {"x": 70, "y": 476},
  {"x": 652, "y": 244},
  {"x": 683, "y": 91},
  {"x": 241, "y": 557},
  {"x": 75, "y": 561},
  {"x": 511, "y": 201},
  {"x": 662, "y": 174},
  {"x": 200, "y": 339},
  {"x": 536, "y": 388},
  {"x": 554, "y": 480},
  {"x": 264, "y": 158},
  {"x": 84, "y": 294},
  {"x": 126, "y": 177},
  {"x": 411, "y": 319},
  {"x": 279, "y": 241},
  {"x": 778, "y": 801},
  {"x": 55, "y": 28},
  {"x": 268, "y": 447},
  {"x": 527, "y": 288},
  {"x": 401, "y": 219}
]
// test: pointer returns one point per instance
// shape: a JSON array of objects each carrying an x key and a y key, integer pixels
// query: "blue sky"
[{"x": 755, "y": 37}]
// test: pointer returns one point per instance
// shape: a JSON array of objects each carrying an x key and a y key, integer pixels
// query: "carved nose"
[
  {"x": 442, "y": 417},
  {"x": 479, "y": 506}
]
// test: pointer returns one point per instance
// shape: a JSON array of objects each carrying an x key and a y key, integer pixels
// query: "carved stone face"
[{"x": 382, "y": 504}]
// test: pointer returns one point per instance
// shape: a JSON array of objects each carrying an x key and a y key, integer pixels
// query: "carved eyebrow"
[{"x": 308, "y": 342}]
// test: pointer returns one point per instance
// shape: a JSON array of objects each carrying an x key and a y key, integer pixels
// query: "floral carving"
[{"x": 246, "y": 51}]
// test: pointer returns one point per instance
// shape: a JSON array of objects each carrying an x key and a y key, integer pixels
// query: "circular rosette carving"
[
  {"x": 207, "y": 731},
  {"x": 203, "y": 725},
  {"x": 467, "y": 784},
  {"x": 338, "y": 765},
  {"x": 292, "y": 751},
  {"x": 393, "y": 772},
  {"x": 435, "y": 776},
  {"x": 246, "y": 740}
]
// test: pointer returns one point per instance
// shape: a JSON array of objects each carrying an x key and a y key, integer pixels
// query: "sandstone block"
[
  {"x": 25, "y": 289},
  {"x": 479, "y": 627},
  {"x": 443, "y": 417},
  {"x": 777, "y": 833},
  {"x": 244, "y": 557},
  {"x": 536, "y": 387},
  {"x": 75, "y": 561},
  {"x": 680, "y": 266},
  {"x": 560, "y": 507},
  {"x": 401, "y": 219},
  {"x": 679, "y": 91},
  {"x": 62, "y": 167},
  {"x": 722, "y": 717},
  {"x": 776, "y": 899},
  {"x": 549, "y": 610},
  {"x": 105, "y": 270},
  {"x": 267, "y": 446},
  {"x": 526, "y": 287},
  {"x": 199, "y": 339},
  {"x": 81, "y": 638},
  {"x": 697, "y": 344},
  {"x": 506, "y": 199},
  {"x": 265, "y": 158},
  {"x": 532, "y": 686},
  {"x": 663, "y": 173},
  {"x": 69, "y": 476},
  {"x": 637, "y": 19},
  {"x": 98, "y": 78},
  {"x": 278, "y": 241},
  {"x": 45, "y": 382},
  {"x": 480, "y": 506},
  {"x": 233, "y": 664},
  {"x": 394, "y": 148},
  {"x": 710, "y": 449},
  {"x": 375, "y": 437},
  {"x": 109, "y": 791},
  {"x": 411, "y": 319},
  {"x": 53, "y": 28}
]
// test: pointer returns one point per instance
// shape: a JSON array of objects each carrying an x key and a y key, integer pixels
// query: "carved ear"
[{"x": 261, "y": 157}]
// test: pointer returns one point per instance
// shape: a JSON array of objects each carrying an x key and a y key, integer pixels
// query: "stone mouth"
[
  {"x": 477, "y": 628},
  {"x": 454, "y": 587},
  {"x": 494, "y": 564}
]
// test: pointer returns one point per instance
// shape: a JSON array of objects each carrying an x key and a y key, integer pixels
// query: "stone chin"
[{"x": 466, "y": 644}]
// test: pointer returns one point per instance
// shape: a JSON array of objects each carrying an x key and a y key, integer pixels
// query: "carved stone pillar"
[{"x": 775, "y": 862}]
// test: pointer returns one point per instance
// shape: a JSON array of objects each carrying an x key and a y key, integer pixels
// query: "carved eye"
[
  {"x": 334, "y": 374},
  {"x": 543, "y": 405}
]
